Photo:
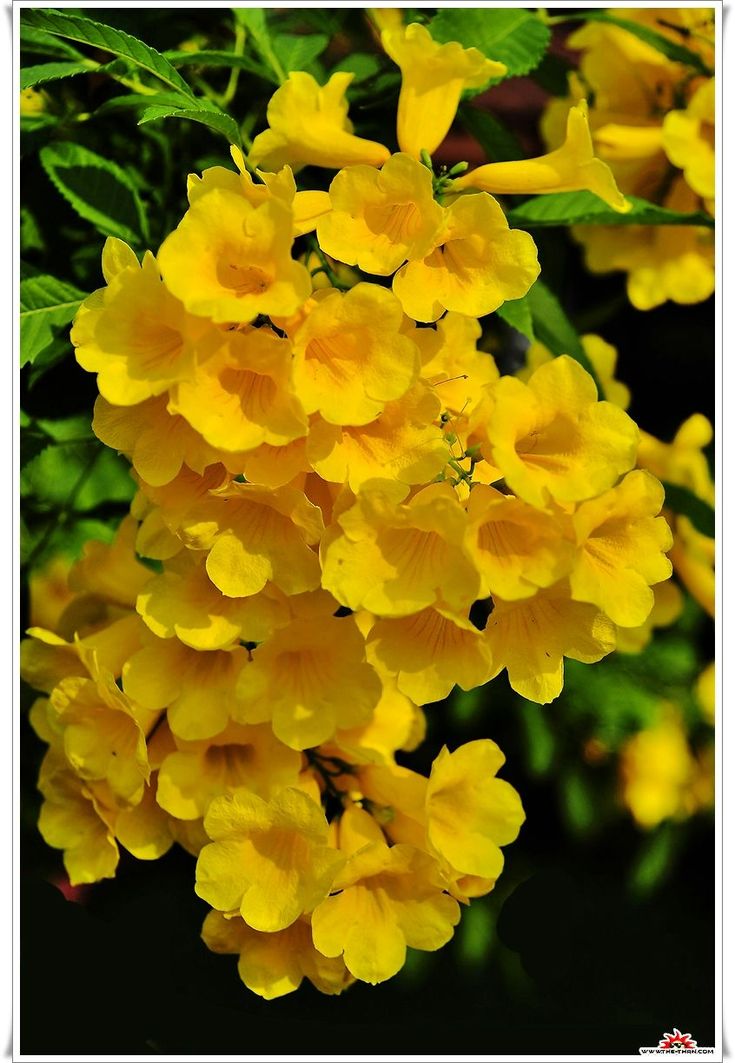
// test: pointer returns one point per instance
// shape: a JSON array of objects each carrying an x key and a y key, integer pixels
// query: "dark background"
[{"x": 570, "y": 955}]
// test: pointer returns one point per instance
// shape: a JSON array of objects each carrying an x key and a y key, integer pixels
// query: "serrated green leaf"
[
  {"x": 687, "y": 504},
  {"x": 297, "y": 52},
  {"x": 42, "y": 43},
  {"x": 39, "y": 75},
  {"x": 217, "y": 120},
  {"x": 512, "y": 36},
  {"x": 98, "y": 189},
  {"x": 517, "y": 314},
  {"x": 498, "y": 143},
  {"x": 554, "y": 329},
  {"x": 585, "y": 208},
  {"x": 210, "y": 57},
  {"x": 133, "y": 100},
  {"x": 117, "y": 42},
  {"x": 678, "y": 53},
  {"x": 45, "y": 303}
]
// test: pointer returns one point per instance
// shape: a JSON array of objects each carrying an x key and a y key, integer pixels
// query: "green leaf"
[
  {"x": 99, "y": 190},
  {"x": 540, "y": 742},
  {"x": 678, "y": 53},
  {"x": 134, "y": 99},
  {"x": 38, "y": 75},
  {"x": 510, "y": 35},
  {"x": 45, "y": 303},
  {"x": 255, "y": 22},
  {"x": 517, "y": 314},
  {"x": 217, "y": 58},
  {"x": 363, "y": 65},
  {"x": 32, "y": 442},
  {"x": 117, "y": 42},
  {"x": 687, "y": 504},
  {"x": 42, "y": 43},
  {"x": 553, "y": 328},
  {"x": 585, "y": 208},
  {"x": 297, "y": 52},
  {"x": 498, "y": 143},
  {"x": 214, "y": 119},
  {"x": 654, "y": 861}
]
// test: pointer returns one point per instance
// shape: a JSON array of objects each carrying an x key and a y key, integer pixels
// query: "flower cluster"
[
  {"x": 653, "y": 123},
  {"x": 347, "y": 511}
]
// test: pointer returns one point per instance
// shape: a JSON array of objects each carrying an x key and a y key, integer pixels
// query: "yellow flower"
[
  {"x": 452, "y": 364},
  {"x": 404, "y": 442},
  {"x": 603, "y": 357},
  {"x": 394, "y": 557},
  {"x": 308, "y": 126},
  {"x": 656, "y": 771},
  {"x": 32, "y": 102},
  {"x": 46, "y": 659},
  {"x": 478, "y": 262},
  {"x": 433, "y": 77},
  {"x": 689, "y": 140},
  {"x": 380, "y": 218},
  {"x": 183, "y": 602},
  {"x": 693, "y": 556},
  {"x": 197, "y": 689},
  {"x": 705, "y": 692},
  {"x": 531, "y": 637},
  {"x": 309, "y": 678},
  {"x": 469, "y": 812},
  {"x": 682, "y": 461},
  {"x": 230, "y": 261},
  {"x": 396, "y": 724},
  {"x": 254, "y": 535},
  {"x": 274, "y": 964},
  {"x": 570, "y": 168},
  {"x": 388, "y": 899},
  {"x": 134, "y": 334},
  {"x": 111, "y": 570},
  {"x": 622, "y": 546},
  {"x": 103, "y": 733},
  {"x": 307, "y": 206},
  {"x": 242, "y": 397},
  {"x": 668, "y": 604},
  {"x": 157, "y": 442},
  {"x": 49, "y": 593},
  {"x": 429, "y": 652},
  {"x": 239, "y": 757},
  {"x": 551, "y": 438},
  {"x": 515, "y": 547},
  {"x": 268, "y": 860},
  {"x": 351, "y": 357},
  {"x": 662, "y": 261}
]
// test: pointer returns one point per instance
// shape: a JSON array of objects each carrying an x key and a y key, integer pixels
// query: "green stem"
[{"x": 238, "y": 49}]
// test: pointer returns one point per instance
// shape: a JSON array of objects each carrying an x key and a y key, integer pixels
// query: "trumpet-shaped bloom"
[
  {"x": 351, "y": 357},
  {"x": 269, "y": 860},
  {"x": 249, "y": 758},
  {"x": 469, "y": 812},
  {"x": 569, "y": 168},
  {"x": 243, "y": 396},
  {"x": 693, "y": 557},
  {"x": 111, "y": 570},
  {"x": 197, "y": 689},
  {"x": 552, "y": 438},
  {"x": 433, "y": 77},
  {"x": 134, "y": 334},
  {"x": 394, "y": 557},
  {"x": 183, "y": 602},
  {"x": 689, "y": 140},
  {"x": 274, "y": 964},
  {"x": 157, "y": 442},
  {"x": 309, "y": 679},
  {"x": 404, "y": 442},
  {"x": 477, "y": 263},
  {"x": 396, "y": 724},
  {"x": 388, "y": 899},
  {"x": 103, "y": 734},
  {"x": 622, "y": 545},
  {"x": 308, "y": 126},
  {"x": 46, "y": 659},
  {"x": 682, "y": 461},
  {"x": 603, "y": 357},
  {"x": 380, "y": 218},
  {"x": 516, "y": 547},
  {"x": 254, "y": 535},
  {"x": 230, "y": 261},
  {"x": 429, "y": 652},
  {"x": 657, "y": 770},
  {"x": 531, "y": 638},
  {"x": 452, "y": 364}
]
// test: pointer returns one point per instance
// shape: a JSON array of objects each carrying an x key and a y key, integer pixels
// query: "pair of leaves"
[
  {"x": 280, "y": 52},
  {"x": 512, "y": 36},
  {"x": 46, "y": 304}
]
